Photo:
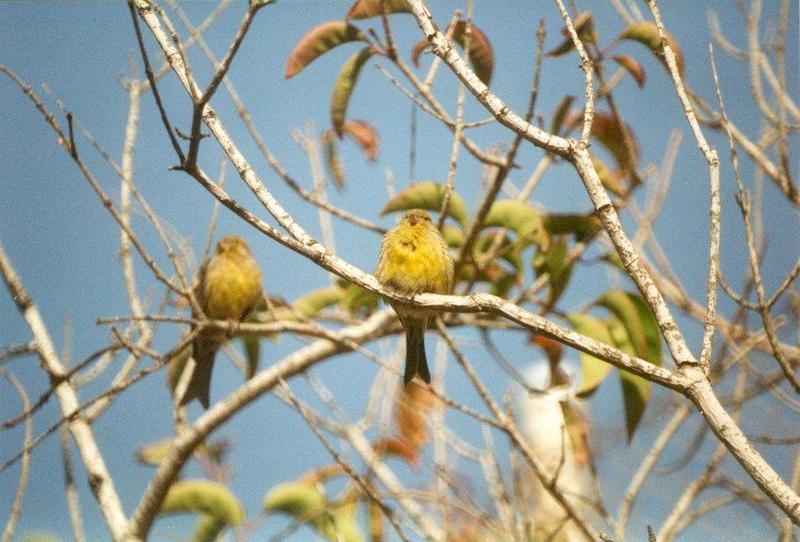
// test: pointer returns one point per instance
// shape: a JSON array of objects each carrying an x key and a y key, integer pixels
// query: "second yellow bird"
[
  {"x": 230, "y": 286},
  {"x": 414, "y": 259}
]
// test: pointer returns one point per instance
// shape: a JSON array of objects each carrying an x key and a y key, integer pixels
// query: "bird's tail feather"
[
  {"x": 416, "y": 360},
  {"x": 204, "y": 350}
]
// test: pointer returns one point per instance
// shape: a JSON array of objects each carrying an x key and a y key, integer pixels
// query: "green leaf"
[
  {"x": 340, "y": 525},
  {"x": 612, "y": 135},
  {"x": 154, "y": 453},
  {"x": 560, "y": 114},
  {"x": 481, "y": 55},
  {"x": 314, "y": 302},
  {"x": 651, "y": 332},
  {"x": 365, "y": 9},
  {"x": 638, "y": 321},
  {"x": 646, "y": 33},
  {"x": 581, "y": 226},
  {"x": 305, "y": 503},
  {"x": 454, "y": 237},
  {"x": 635, "y": 395},
  {"x": 343, "y": 88},
  {"x": 612, "y": 258},
  {"x": 635, "y": 390},
  {"x": 521, "y": 218},
  {"x": 357, "y": 300},
  {"x": 332, "y": 159},
  {"x": 594, "y": 370},
  {"x": 507, "y": 249},
  {"x": 428, "y": 195},
  {"x": 300, "y": 501},
  {"x": 611, "y": 180},
  {"x": 554, "y": 263},
  {"x": 176, "y": 366},
  {"x": 318, "y": 41},
  {"x": 502, "y": 285},
  {"x": 623, "y": 307},
  {"x": 584, "y": 27},
  {"x": 203, "y": 497},
  {"x": 207, "y": 529}
]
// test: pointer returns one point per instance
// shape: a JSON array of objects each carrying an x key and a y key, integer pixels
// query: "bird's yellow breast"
[
  {"x": 231, "y": 287},
  {"x": 415, "y": 259}
]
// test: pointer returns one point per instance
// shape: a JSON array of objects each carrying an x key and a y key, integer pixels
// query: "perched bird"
[
  {"x": 415, "y": 259},
  {"x": 229, "y": 288}
]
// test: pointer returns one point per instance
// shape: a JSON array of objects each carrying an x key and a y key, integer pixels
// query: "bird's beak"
[{"x": 413, "y": 220}]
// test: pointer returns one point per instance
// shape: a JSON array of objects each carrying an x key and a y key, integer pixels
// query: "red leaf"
[{"x": 584, "y": 27}]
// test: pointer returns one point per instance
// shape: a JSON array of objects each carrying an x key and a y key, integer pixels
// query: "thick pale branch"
[
  {"x": 99, "y": 478},
  {"x": 724, "y": 426}
]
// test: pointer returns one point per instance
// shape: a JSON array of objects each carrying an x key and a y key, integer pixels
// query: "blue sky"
[{"x": 64, "y": 244}]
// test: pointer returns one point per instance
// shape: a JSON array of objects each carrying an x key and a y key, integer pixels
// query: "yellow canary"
[
  {"x": 415, "y": 259},
  {"x": 230, "y": 286}
]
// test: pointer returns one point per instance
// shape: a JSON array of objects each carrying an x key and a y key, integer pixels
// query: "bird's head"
[
  {"x": 232, "y": 245},
  {"x": 415, "y": 217}
]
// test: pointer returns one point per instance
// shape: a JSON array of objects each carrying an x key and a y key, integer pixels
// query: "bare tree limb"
[{"x": 99, "y": 478}]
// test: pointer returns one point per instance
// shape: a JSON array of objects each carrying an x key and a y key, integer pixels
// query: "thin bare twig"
[
  {"x": 743, "y": 199},
  {"x": 24, "y": 469}
]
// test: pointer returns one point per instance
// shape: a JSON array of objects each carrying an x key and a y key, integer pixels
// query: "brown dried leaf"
[
  {"x": 318, "y": 41},
  {"x": 364, "y": 9},
  {"x": 633, "y": 67},
  {"x": 332, "y": 160},
  {"x": 481, "y": 54},
  {"x": 647, "y": 33},
  {"x": 560, "y": 114},
  {"x": 413, "y": 404},
  {"x": 365, "y": 136},
  {"x": 397, "y": 447},
  {"x": 584, "y": 27},
  {"x": 552, "y": 348}
]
